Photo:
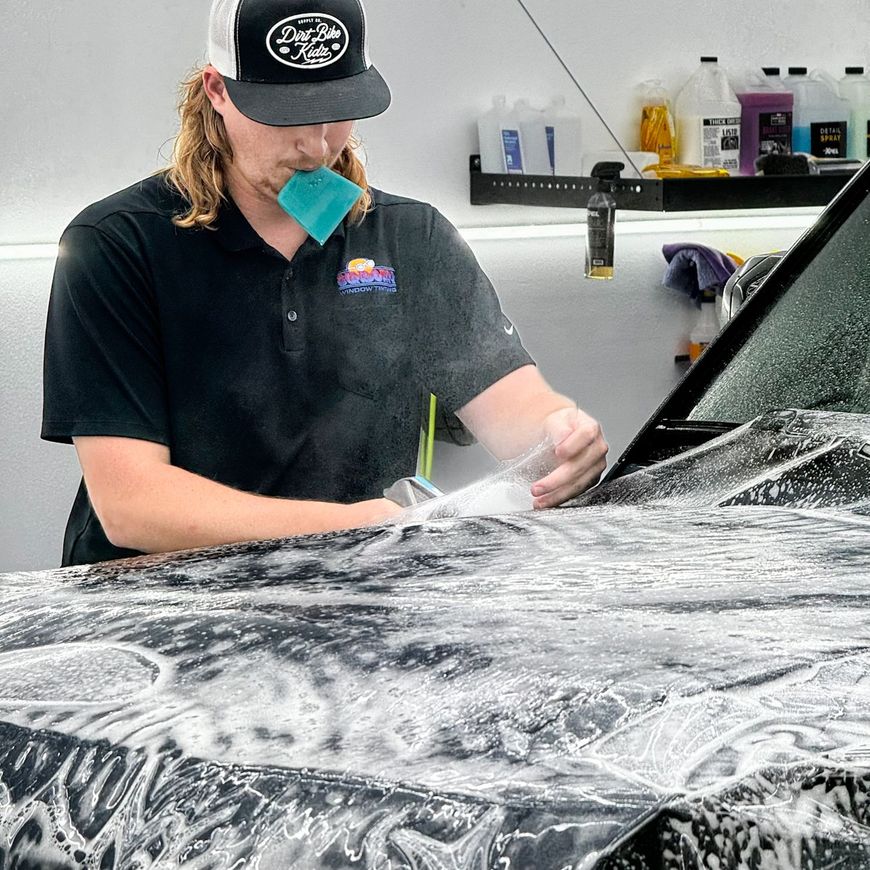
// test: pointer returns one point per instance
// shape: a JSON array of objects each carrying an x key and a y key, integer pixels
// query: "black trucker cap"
[{"x": 293, "y": 62}]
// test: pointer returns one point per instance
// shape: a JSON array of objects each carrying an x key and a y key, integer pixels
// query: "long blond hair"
[{"x": 202, "y": 150}]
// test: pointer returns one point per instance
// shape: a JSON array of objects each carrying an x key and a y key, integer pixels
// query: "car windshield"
[{"x": 811, "y": 351}]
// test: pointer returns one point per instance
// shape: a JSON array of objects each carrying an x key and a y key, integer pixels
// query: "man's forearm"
[
  {"x": 522, "y": 426},
  {"x": 171, "y": 509},
  {"x": 508, "y": 418}
]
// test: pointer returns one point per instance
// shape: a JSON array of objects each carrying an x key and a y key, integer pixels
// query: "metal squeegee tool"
[{"x": 410, "y": 491}]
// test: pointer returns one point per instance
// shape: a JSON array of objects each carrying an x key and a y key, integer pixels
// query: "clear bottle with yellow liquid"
[
  {"x": 601, "y": 221},
  {"x": 657, "y": 131}
]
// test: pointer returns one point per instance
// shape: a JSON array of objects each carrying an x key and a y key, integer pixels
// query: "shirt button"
[{"x": 292, "y": 316}]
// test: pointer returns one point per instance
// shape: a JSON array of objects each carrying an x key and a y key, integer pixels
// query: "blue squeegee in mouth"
[{"x": 318, "y": 200}]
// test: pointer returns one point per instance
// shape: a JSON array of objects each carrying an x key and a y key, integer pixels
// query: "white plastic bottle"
[
  {"x": 563, "y": 138},
  {"x": 773, "y": 77},
  {"x": 708, "y": 119},
  {"x": 706, "y": 326},
  {"x": 533, "y": 135},
  {"x": 489, "y": 136},
  {"x": 855, "y": 87},
  {"x": 821, "y": 116}
]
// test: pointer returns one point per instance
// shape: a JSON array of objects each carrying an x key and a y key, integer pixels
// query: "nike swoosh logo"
[{"x": 509, "y": 331}]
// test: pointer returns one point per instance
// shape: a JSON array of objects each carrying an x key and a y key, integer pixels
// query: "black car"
[{"x": 673, "y": 672}]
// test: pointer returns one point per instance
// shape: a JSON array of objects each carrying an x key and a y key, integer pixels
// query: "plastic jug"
[
  {"x": 657, "y": 130},
  {"x": 489, "y": 134},
  {"x": 773, "y": 76},
  {"x": 536, "y": 152},
  {"x": 766, "y": 122},
  {"x": 563, "y": 138},
  {"x": 855, "y": 87},
  {"x": 821, "y": 116},
  {"x": 708, "y": 119}
]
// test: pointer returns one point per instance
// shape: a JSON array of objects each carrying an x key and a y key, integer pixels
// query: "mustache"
[{"x": 313, "y": 163}]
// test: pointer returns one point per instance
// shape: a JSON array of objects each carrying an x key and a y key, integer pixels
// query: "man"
[{"x": 224, "y": 377}]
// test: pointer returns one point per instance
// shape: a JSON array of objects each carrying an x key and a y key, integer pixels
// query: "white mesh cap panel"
[
  {"x": 365, "y": 35},
  {"x": 222, "y": 53}
]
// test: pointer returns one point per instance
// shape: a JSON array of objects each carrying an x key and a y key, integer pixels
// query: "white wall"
[
  {"x": 90, "y": 84},
  {"x": 88, "y": 92},
  {"x": 37, "y": 480}
]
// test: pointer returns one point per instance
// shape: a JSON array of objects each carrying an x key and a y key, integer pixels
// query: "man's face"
[{"x": 264, "y": 157}]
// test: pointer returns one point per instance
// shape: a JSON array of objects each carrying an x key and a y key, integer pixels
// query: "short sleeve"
[
  {"x": 103, "y": 371},
  {"x": 465, "y": 342}
]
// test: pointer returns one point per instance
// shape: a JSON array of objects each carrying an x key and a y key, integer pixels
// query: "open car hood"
[{"x": 792, "y": 458}]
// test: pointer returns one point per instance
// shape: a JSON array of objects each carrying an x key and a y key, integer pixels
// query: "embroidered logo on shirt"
[{"x": 363, "y": 276}]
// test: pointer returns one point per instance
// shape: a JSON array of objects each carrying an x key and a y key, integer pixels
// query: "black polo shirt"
[{"x": 300, "y": 378}]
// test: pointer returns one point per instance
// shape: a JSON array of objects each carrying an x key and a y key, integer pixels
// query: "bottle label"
[
  {"x": 720, "y": 142},
  {"x": 828, "y": 139},
  {"x": 600, "y": 232},
  {"x": 551, "y": 147},
  {"x": 513, "y": 155},
  {"x": 657, "y": 132},
  {"x": 774, "y": 133}
]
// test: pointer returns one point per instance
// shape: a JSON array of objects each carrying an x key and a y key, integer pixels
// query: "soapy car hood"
[{"x": 601, "y": 686}]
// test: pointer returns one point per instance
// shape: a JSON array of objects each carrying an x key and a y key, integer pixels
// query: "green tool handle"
[
  {"x": 430, "y": 437},
  {"x": 426, "y": 451}
]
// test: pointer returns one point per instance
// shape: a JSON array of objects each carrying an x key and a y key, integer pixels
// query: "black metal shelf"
[{"x": 657, "y": 194}]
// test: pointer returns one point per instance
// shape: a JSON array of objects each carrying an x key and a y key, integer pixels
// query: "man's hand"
[
  {"x": 516, "y": 412},
  {"x": 580, "y": 449}
]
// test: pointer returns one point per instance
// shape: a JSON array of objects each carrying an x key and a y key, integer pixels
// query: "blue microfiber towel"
[{"x": 694, "y": 269}]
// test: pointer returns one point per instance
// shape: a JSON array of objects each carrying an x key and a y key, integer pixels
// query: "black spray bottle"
[{"x": 601, "y": 222}]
